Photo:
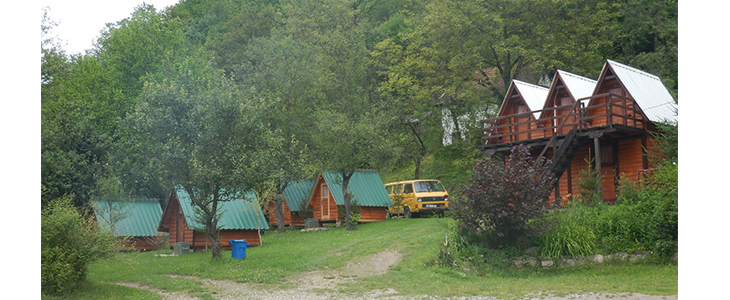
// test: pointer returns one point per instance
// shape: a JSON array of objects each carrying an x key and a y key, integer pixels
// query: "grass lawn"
[{"x": 418, "y": 240}]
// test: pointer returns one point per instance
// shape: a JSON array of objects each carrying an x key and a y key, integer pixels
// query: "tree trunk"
[
  {"x": 279, "y": 210},
  {"x": 417, "y": 162},
  {"x": 212, "y": 235},
  {"x": 348, "y": 210}
]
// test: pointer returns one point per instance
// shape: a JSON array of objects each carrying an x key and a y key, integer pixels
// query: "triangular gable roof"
[
  {"x": 242, "y": 213},
  {"x": 297, "y": 193},
  {"x": 142, "y": 216},
  {"x": 533, "y": 95},
  {"x": 646, "y": 89},
  {"x": 577, "y": 86},
  {"x": 365, "y": 186}
]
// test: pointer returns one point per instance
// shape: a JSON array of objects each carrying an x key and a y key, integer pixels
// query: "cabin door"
[{"x": 324, "y": 203}]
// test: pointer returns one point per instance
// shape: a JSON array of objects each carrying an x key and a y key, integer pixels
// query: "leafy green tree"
[
  {"x": 200, "y": 131},
  {"x": 345, "y": 145},
  {"x": 647, "y": 38},
  {"x": 136, "y": 47}
]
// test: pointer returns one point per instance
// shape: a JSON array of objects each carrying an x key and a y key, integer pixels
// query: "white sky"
[{"x": 80, "y": 22}]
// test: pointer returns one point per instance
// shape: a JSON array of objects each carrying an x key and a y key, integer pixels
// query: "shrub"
[
  {"x": 644, "y": 217},
  {"x": 502, "y": 197},
  {"x": 355, "y": 210},
  {"x": 70, "y": 240}
]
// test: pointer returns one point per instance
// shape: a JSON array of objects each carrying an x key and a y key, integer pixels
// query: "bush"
[
  {"x": 644, "y": 217},
  {"x": 355, "y": 211},
  {"x": 70, "y": 240},
  {"x": 503, "y": 197}
]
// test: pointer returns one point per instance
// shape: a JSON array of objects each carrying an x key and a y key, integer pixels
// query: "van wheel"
[{"x": 407, "y": 213}]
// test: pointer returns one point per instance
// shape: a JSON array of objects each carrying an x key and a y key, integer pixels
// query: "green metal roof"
[
  {"x": 297, "y": 193},
  {"x": 141, "y": 216},
  {"x": 365, "y": 186},
  {"x": 243, "y": 213}
]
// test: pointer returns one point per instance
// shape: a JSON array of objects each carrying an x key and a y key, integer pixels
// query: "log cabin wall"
[
  {"x": 251, "y": 236},
  {"x": 324, "y": 207},
  {"x": 621, "y": 158},
  {"x": 272, "y": 214},
  {"x": 372, "y": 214},
  {"x": 173, "y": 222}
]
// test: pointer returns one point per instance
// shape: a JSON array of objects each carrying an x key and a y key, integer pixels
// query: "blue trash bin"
[{"x": 238, "y": 248}]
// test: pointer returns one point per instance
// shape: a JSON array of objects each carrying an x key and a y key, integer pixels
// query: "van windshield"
[{"x": 428, "y": 186}]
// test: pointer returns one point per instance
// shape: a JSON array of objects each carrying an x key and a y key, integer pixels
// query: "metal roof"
[
  {"x": 297, "y": 193},
  {"x": 647, "y": 90},
  {"x": 534, "y": 95},
  {"x": 141, "y": 216},
  {"x": 365, "y": 186},
  {"x": 241, "y": 213},
  {"x": 578, "y": 86}
]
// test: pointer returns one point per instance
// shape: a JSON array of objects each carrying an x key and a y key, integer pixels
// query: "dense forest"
[{"x": 219, "y": 94}]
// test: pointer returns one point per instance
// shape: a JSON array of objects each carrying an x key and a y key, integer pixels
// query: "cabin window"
[
  {"x": 607, "y": 155},
  {"x": 566, "y": 101},
  {"x": 521, "y": 109},
  {"x": 325, "y": 191}
]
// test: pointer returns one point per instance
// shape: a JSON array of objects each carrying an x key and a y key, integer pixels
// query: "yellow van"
[{"x": 417, "y": 197}]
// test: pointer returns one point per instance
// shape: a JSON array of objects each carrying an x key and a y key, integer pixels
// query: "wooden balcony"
[{"x": 607, "y": 112}]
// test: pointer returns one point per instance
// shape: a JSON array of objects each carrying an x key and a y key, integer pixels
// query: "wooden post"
[{"x": 597, "y": 146}]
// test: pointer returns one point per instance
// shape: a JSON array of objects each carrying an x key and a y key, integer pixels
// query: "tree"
[
  {"x": 345, "y": 145},
  {"x": 200, "y": 131},
  {"x": 502, "y": 197}
]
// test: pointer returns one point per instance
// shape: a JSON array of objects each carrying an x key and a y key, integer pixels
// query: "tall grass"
[{"x": 568, "y": 233}]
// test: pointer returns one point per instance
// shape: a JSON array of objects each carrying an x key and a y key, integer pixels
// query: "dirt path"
[{"x": 323, "y": 284}]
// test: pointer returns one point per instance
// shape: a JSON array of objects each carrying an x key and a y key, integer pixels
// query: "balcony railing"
[{"x": 556, "y": 121}]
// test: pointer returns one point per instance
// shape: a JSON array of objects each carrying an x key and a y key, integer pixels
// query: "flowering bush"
[{"x": 503, "y": 198}]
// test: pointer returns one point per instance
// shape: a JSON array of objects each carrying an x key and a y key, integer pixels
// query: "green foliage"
[
  {"x": 502, "y": 198},
  {"x": 644, "y": 217},
  {"x": 70, "y": 241},
  {"x": 569, "y": 232},
  {"x": 588, "y": 184}
]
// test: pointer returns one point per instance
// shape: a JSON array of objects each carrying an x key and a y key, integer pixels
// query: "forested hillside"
[{"x": 254, "y": 93}]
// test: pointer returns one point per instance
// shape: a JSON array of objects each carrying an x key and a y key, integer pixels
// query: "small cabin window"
[
  {"x": 566, "y": 101},
  {"x": 325, "y": 191},
  {"x": 521, "y": 109},
  {"x": 607, "y": 155}
]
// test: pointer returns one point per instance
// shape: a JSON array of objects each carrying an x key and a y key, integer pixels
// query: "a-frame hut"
[
  {"x": 135, "y": 219},
  {"x": 240, "y": 218},
  {"x": 565, "y": 90},
  {"x": 365, "y": 186},
  {"x": 613, "y": 128},
  {"x": 295, "y": 196},
  {"x": 517, "y": 119}
]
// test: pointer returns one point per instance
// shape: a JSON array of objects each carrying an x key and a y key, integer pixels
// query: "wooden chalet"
[
  {"x": 135, "y": 219},
  {"x": 295, "y": 196},
  {"x": 518, "y": 111},
  {"x": 365, "y": 186},
  {"x": 612, "y": 124},
  {"x": 240, "y": 219}
]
